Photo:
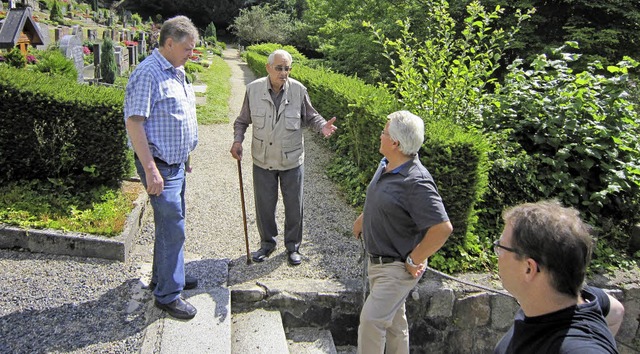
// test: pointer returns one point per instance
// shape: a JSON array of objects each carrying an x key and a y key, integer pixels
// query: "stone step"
[
  {"x": 208, "y": 332},
  {"x": 258, "y": 331},
  {"x": 309, "y": 340}
]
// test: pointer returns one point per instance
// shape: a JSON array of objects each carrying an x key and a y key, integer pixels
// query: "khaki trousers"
[{"x": 383, "y": 321}]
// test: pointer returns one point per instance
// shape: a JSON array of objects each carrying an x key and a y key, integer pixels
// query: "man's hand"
[
  {"x": 329, "y": 128},
  {"x": 357, "y": 227},
  {"x": 236, "y": 150},
  {"x": 415, "y": 271},
  {"x": 155, "y": 182}
]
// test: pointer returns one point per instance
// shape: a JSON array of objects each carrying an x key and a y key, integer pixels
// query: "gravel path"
[{"x": 60, "y": 304}]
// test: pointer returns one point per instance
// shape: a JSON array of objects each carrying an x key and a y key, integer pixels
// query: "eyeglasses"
[
  {"x": 497, "y": 246},
  {"x": 384, "y": 133},
  {"x": 282, "y": 68}
]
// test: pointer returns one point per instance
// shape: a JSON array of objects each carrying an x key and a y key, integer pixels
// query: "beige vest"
[{"x": 278, "y": 143}]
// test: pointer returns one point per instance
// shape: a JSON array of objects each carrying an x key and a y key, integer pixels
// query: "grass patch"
[
  {"x": 216, "y": 77},
  {"x": 45, "y": 205}
]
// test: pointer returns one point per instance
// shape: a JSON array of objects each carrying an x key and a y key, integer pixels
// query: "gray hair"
[
  {"x": 408, "y": 130},
  {"x": 179, "y": 28},
  {"x": 279, "y": 52}
]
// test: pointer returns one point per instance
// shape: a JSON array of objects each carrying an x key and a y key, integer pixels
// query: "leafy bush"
[
  {"x": 446, "y": 76},
  {"x": 53, "y": 62},
  {"x": 262, "y": 23},
  {"x": 571, "y": 136},
  {"x": 15, "y": 58},
  {"x": 72, "y": 133}
]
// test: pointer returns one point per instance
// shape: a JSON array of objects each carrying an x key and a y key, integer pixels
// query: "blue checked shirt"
[{"x": 160, "y": 93}]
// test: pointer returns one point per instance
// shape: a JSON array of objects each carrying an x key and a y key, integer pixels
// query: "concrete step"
[
  {"x": 309, "y": 340},
  {"x": 258, "y": 331},
  {"x": 209, "y": 331}
]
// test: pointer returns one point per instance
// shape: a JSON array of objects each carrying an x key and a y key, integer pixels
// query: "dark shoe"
[
  {"x": 178, "y": 309},
  {"x": 261, "y": 254},
  {"x": 294, "y": 258},
  {"x": 189, "y": 283}
]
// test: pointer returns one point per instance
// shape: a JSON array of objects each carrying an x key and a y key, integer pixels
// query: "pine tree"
[
  {"x": 56, "y": 12},
  {"x": 107, "y": 62}
]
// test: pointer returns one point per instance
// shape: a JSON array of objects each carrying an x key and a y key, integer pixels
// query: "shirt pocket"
[
  {"x": 292, "y": 119},
  {"x": 259, "y": 117}
]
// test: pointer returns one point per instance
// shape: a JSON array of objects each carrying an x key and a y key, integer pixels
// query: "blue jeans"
[
  {"x": 168, "y": 216},
  {"x": 265, "y": 189}
]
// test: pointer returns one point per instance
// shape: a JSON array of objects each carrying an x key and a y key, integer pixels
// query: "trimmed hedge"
[
  {"x": 52, "y": 127},
  {"x": 457, "y": 159}
]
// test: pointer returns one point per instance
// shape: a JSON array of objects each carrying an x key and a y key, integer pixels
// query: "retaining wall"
[{"x": 444, "y": 316}]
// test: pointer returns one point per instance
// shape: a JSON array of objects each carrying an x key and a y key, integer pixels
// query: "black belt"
[
  {"x": 156, "y": 159},
  {"x": 383, "y": 259}
]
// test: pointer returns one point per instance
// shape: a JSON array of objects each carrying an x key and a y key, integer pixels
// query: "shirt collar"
[
  {"x": 402, "y": 168},
  {"x": 164, "y": 63}
]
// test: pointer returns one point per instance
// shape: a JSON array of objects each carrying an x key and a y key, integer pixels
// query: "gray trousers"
[{"x": 265, "y": 190}]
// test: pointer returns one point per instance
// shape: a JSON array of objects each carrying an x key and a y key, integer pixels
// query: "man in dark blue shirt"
[{"x": 543, "y": 254}]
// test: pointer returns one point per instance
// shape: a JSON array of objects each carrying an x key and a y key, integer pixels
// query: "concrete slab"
[
  {"x": 258, "y": 331},
  {"x": 208, "y": 332},
  {"x": 308, "y": 340}
]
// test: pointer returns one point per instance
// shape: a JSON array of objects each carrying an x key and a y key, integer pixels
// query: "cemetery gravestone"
[{"x": 71, "y": 46}]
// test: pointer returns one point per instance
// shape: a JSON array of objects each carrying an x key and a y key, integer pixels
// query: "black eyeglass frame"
[{"x": 496, "y": 243}]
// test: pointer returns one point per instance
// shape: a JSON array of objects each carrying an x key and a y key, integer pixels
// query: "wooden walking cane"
[{"x": 244, "y": 212}]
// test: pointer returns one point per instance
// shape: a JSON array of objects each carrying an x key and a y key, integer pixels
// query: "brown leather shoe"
[{"x": 179, "y": 309}]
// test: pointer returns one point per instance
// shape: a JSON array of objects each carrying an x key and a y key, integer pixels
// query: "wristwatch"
[{"x": 409, "y": 261}]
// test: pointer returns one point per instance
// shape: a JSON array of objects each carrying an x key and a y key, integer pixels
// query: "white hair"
[
  {"x": 408, "y": 130},
  {"x": 279, "y": 52}
]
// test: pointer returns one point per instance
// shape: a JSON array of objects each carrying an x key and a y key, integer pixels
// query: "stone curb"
[{"x": 77, "y": 244}]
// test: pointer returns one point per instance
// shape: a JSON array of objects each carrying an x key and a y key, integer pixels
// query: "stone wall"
[{"x": 445, "y": 316}]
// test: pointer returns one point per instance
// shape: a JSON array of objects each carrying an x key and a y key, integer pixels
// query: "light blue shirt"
[{"x": 160, "y": 92}]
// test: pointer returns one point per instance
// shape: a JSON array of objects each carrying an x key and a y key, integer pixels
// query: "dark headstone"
[{"x": 132, "y": 55}]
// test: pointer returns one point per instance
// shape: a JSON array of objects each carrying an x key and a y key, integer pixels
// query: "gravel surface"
[{"x": 61, "y": 304}]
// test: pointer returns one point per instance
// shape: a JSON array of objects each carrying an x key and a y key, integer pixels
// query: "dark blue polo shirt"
[{"x": 400, "y": 207}]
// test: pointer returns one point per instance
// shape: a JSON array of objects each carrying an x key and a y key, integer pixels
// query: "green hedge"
[
  {"x": 457, "y": 159},
  {"x": 54, "y": 128}
]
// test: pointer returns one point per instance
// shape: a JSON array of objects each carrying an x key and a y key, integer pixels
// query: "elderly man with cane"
[{"x": 278, "y": 107}]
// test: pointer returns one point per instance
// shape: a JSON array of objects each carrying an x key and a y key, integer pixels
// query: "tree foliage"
[
  {"x": 108, "y": 66},
  {"x": 605, "y": 30},
  {"x": 56, "y": 13},
  {"x": 263, "y": 23},
  {"x": 443, "y": 75}
]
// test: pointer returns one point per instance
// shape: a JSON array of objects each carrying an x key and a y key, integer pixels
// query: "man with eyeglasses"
[
  {"x": 278, "y": 107},
  {"x": 404, "y": 222},
  {"x": 543, "y": 254}
]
